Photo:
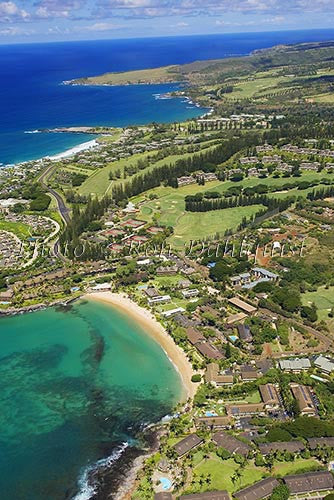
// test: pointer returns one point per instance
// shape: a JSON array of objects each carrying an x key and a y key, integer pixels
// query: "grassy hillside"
[{"x": 297, "y": 57}]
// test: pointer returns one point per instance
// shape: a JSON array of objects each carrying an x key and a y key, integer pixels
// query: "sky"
[{"x": 52, "y": 20}]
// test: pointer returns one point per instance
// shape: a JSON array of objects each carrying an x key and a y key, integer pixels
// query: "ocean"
[
  {"x": 76, "y": 386},
  {"x": 33, "y": 97}
]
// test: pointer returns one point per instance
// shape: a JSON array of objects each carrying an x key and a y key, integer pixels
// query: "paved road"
[{"x": 62, "y": 208}]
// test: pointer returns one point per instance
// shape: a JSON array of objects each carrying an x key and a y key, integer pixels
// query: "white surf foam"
[{"x": 87, "y": 490}]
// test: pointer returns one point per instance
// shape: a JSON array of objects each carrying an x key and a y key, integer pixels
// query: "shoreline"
[
  {"x": 155, "y": 330},
  {"x": 79, "y": 148},
  {"x": 93, "y": 143},
  {"x": 84, "y": 146}
]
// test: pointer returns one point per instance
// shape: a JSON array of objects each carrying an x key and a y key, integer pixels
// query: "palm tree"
[
  {"x": 208, "y": 479},
  {"x": 233, "y": 479},
  {"x": 238, "y": 475}
]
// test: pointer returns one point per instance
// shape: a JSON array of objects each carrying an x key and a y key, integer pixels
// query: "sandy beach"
[
  {"x": 153, "y": 328},
  {"x": 76, "y": 149}
]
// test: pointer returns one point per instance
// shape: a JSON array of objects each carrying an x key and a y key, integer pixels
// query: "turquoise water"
[
  {"x": 165, "y": 483},
  {"x": 74, "y": 384}
]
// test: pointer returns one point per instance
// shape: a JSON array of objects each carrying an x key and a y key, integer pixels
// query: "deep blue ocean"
[{"x": 32, "y": 95}]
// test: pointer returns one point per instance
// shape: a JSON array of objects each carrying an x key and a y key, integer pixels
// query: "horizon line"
[{"x": 167, "y": 36}]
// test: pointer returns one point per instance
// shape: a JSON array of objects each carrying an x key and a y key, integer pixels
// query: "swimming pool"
[
  {"x": 165, "y": 483},
  {"x": 210, "y": 414},
  {"x": 233, "y": 338}
]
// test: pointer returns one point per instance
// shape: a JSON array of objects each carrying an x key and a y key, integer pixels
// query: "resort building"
[
  {"x": 172, "y": 312},
  {"x": 304, "y": 398},
  {"x": 159, "y": 299},
  {"x": 271, "y": 159},
  {"x": 194, "y": 336},
  {"x": 325, "y": 365},
  {"x": 214, "y": 422},
  {"x": 6, "y": 295},
  {"x": 310, "y": 166},
  {"x": 241, "y": 304},
  {"x": 270, "y": 396},
  {"x": 185, "y": 283},
  {"x": 230, "y": 443},
  {"x": 209, "y": 351},
  {"x": 260, "y": 272},
  {"x": 240, "y": 279},
  {"x": 245, "y": 333},
  {"x": 167, "y": 270},
  {"x": 248, "y": 373},
  {"x": 214, "y": 377},
  {"x": 262, "y": 489},
  {"x": 102, "y": 287},
  {"x": 188, "y": 443},
  {"x": 133, "y": 224},
  {"x": 291, "y": 446},
  {"x": 234, "y": 318},
  {"x": 310, "y": 482},
  {"x": 209, "y": 495},
  {"x": 188, "y": 294},
  {"x": 151, "y": 292},
  {"x": 245, "y": 409},
  {"x": 320, "y": 442},
  {"x": 296, "y": 365},
  {"x": 185, "y": 181},
  {"x": 163, "y": 495}
]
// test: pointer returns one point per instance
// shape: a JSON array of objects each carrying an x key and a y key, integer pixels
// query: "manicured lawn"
[
  {"x": 221, "y": 472},
  {"x": 327, "y": 98},
  {"x": 284, "y": 468},
  {"x": 168, "y": 280},
  {"x": 199, "y": 225},
  {"x": 254, "y": 397},
  {"x": 270, "y": 181},
  {"x": 256, "y": 86},
  {"x": 100, "y": 184},
  {"x": 21, "y": 230},
  {"x": 323, "y": 299}
]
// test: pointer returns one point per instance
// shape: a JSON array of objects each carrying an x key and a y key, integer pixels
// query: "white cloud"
[
  {"x": 161, "y": 8},
  {"x": 100, "y": 27},
  {"x": 9, "y": 12},
  {"x": 15, "y": 31},
  {"x": 52, "y": 9}
]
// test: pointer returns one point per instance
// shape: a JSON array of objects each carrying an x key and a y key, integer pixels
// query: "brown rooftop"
[
  {"x": 244, "y": 409},
  {"x": 303, "y": 396},
  {"x": 322, "y": 441},
  {"x": 208, "y": 495},
  {"x": 241, "y": 304},
  {"x": 259, "y": 490},
  {"x": 212, "y": 375},
  {"x": 187, "y": 444},
  {"x": 311, "y": 481},
  {"x": 269, "y": 394},
  {"x": 214, "y": 421},
  {"x": 230, "y": 443},
  {"x": 291, "y": 446},
  {"x": 249, "y": 375},
  {"x": 163, "y": 495},
  {"x": 209, "y": 351},
  {"x": 194, "y": 336},
  {"x": 233, "y": 318}
]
